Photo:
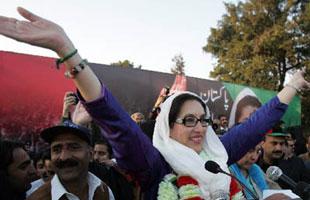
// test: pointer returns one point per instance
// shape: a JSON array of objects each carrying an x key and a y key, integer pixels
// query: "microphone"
[
  {"x": 275, "y": 174},
  {"x": 220, "y": 195},
  {"x": 302, "y": 189},
  {"x": 214, "y": 168}
]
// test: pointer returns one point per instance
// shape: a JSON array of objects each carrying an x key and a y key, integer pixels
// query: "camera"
[{"x": 76, "y": 99}]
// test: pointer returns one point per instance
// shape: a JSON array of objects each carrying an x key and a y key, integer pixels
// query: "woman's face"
[
  {"x": 250, "y": 157},
  {"x": 245, "y": 113},
  {"x": 192, "y": 137}
]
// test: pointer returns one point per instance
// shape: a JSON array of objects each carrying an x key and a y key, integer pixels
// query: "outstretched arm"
[
  {"x": 131, "y": 147},
  {"x": 241, "y": 138},
  {"x": 40, "y": 32}
]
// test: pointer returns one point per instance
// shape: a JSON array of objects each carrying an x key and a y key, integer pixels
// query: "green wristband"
[{"x": 66, "y": 57}]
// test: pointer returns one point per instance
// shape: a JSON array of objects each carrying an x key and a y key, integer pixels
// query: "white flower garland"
[{"x": 169, "y": 191}]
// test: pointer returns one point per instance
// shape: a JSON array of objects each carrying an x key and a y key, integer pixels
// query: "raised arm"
[
  {"x": 43, "y": 33},
  {"x": 241, "y": 138},
  {"x": 133, "y": 150}
]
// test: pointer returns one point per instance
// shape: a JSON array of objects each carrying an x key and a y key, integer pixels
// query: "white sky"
[{"x": 147, "y": 32}]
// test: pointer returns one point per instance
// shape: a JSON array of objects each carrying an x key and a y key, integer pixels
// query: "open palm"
[{"x": 36, "y": 31}]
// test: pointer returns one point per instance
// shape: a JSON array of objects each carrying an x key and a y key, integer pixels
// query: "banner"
[{"x": 32, "y": 92}]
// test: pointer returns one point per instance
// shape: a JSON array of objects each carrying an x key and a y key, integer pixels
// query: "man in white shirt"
[{"x": 70, "y": 155}]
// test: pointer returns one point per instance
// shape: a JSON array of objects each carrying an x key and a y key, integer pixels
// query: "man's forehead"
[
  {"x": 20, "y": 156},
  {"x": 67, "y": 137},
  {"x": 101, "y": 147},
  {"x": 273, "y": 138}
]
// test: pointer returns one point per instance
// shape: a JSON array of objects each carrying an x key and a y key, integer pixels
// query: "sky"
[{"x": 146, "y": 32}]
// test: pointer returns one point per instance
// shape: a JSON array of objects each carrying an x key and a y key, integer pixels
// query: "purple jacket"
[{"x": 135, "y": 153}]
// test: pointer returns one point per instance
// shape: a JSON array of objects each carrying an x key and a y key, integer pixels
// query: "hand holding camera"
[
  {"x": 70, "y": 99},
  {"x": 73, "y": 97}
]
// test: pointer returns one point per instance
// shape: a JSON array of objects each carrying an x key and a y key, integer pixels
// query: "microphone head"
[
  {"x": 274, "y": 173},
  {"x": 220, "y": 195},
  {"x": 212, "y": 166}
]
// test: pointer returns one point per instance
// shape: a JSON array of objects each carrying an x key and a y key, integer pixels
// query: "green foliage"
[
  {"x": 125, "y": 63},
  {"x": 257, "y": 42},
  {"x": 179, "y": 65}
]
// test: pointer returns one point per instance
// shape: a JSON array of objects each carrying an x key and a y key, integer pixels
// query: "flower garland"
[
  {"x": 183, "y": 187},
  {"x": 187, "y": 188},
  {"x": 167, "y": 190}
]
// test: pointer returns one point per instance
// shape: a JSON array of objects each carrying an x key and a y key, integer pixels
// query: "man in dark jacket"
[
  {"x": 106, "y": 169},
  {"x": 274, "y": 147}
]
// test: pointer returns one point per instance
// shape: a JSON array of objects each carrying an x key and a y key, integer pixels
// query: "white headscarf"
[
  {"x": 244, "y": 92},
  {"x": 184, "y": 160}
]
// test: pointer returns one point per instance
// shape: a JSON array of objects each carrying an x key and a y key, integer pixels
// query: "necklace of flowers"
[
  {"x": 182, "y": 187},
  {"x": 187, "y": 188}
]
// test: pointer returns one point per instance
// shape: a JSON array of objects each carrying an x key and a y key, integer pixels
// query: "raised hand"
[
  {"x": 36, "y": 31},
  {"x": 44, "y": 33},
  {"x": 69, "y": 100},
  {"x": 296, "y": 84},
  {"x": 298, "y": 81},
  {"x": 80, "y": 116}
]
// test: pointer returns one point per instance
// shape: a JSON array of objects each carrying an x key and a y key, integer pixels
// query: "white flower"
[{"x": 167, "y": 191}]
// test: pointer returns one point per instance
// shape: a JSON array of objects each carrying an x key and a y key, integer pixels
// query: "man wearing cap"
[
  {"x": 273, "y": 155},
  {"x": 70, "y": 155}
]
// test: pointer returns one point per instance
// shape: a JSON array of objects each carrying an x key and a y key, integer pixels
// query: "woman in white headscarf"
[
  {"x": 186, "y": 144},
  {"x": 246, "y": 100},
  {"x": 183, "y": 138}
]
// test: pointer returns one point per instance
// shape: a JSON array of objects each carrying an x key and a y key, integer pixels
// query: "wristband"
[
  {"x": 76, "y": 69},
  {"x": 65, "y": 58}
]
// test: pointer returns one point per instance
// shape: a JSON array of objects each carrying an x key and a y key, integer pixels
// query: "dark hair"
[
  {"x": 7, "y": 148},
  {"x": 46, "y": 155},
  {"x": 36, "y": 158},
  {"x": 246, "y": 101},
  {"x": 6, "y": 153},
  {"x": 105, "y": 142},
  {"x": 306, "y": 132},
  {"x": 221, "y": 115},
  {"x": 41, "y": 155},
  {"x": 178, "y": 102}
]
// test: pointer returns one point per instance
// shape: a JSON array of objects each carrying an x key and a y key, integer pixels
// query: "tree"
[
  {"x": 125, "y": 63},
  {"x": 178, "y": 69},
  {"x": 258, "y": 42}
]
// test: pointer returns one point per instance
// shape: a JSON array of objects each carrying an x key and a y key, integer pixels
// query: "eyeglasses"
[{"x": 191, "y": 121}]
